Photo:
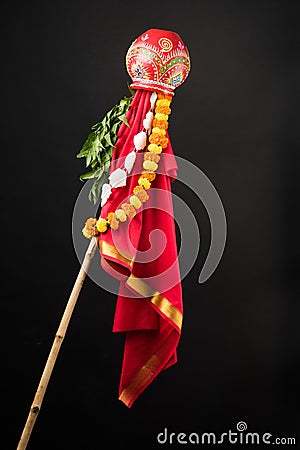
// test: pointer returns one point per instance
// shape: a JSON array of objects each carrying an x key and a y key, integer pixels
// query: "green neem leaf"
[
  {"x": 108, "y": 139},
  {"x": 87, "y": 176},
  {"x": 95, "y": 192},
  {"x": 99, "y": 172},
  {"x": 99, "y": 145},
  {"x": 114, "y": 128},
  {"x": 88, "y": 159},
  {"x": 123, "y": 118},
  {"x": 132, "y": 92},
  {"x": 122, "y": 102},
  {"x": 106, "y": 168}
]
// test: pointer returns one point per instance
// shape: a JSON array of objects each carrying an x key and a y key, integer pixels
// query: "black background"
[{"x": 235, "y": 118}]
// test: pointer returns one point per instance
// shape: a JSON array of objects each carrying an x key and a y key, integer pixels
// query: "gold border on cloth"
[
  {"x": 107, "y": 249},
  {"x": 144, "y": 375},
  {"x": 162, "y": 303}
]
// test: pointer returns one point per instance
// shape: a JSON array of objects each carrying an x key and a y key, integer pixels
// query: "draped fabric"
[{"x": 142, "y": 254}]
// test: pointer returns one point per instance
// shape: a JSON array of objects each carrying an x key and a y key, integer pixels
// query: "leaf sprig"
[{"x": 98, "y": 147}]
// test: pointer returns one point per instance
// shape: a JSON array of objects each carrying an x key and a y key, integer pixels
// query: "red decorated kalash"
[
  {"x": 136, "y": 228},
  {"x": 158, "y": 61}
]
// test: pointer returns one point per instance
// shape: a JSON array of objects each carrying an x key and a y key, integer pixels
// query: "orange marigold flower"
[
  {"x": 114, "y": 223},
  {"x": 137, "y": 189},
  {"x": 165, "y": 96},
  {"x": 110, "y": 216},
  {"x": 155, "y": 138},
  {"x": 128, "y": 209},
  {"x": 151, "y": 157},
  {"x": 90, "y": 227},
  {"x": 163, "y": 110},
  {"x": 141, "y": 194},
  {"x": 164, "y": 141},
  {"x": 149, "y": 175},
  {"x": 162, "y": 124}
]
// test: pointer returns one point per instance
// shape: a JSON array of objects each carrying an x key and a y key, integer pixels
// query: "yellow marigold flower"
[
  {"x": 114, "y": 223},
  {"x": 144, "y": 182},
  {"x": 158, "y": 131},
  {"x": 128, "y": 209},
  {"x": 160, "y": 116},
  {"x": 162, "y": 124},
  {"x": 163, "y": 102},
  {"x": 154, "y": 148},
  {"x": 135, "y": 202},
  {"x": 120, "y": 215},
  {"x": 164, "y": 141},
  {"x": 150, "y": 165},
  {"x": 162, "y": 110},
  {"x": 86, "y": 234},
  {"x": 101, "y": 225},
  {"x": 151, "y": 157},
  {"x": 141, "y": 193}
]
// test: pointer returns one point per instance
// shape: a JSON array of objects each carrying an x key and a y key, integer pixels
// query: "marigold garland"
[
  {"x": 150, "y": 166},
  {"x": 141, "y": 194},
  {"x": 162, "y": 124},
  {"x": 151, "y": 157},
  {"x": 157, "y": 130},
  {"x": 157, "y": 142},
  {"x": 149, "y": 175},
  {"x": 154, "y": 148},
  {"x": 129, "y": 210},
  {"x": 101, "y": 225},
  {"x": 144, "y": 182},
  {"x": 163, "y": 110},
  {"x": 120, "y": 215}
]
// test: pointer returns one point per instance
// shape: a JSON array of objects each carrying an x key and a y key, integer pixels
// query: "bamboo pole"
[{"x": 60, "y": 334}]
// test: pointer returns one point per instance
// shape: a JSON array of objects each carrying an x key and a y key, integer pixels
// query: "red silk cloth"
[{"x": 149, "y": 304}]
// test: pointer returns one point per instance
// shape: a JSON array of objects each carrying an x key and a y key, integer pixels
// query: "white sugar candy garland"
[{"x": 118, "y": 177}]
